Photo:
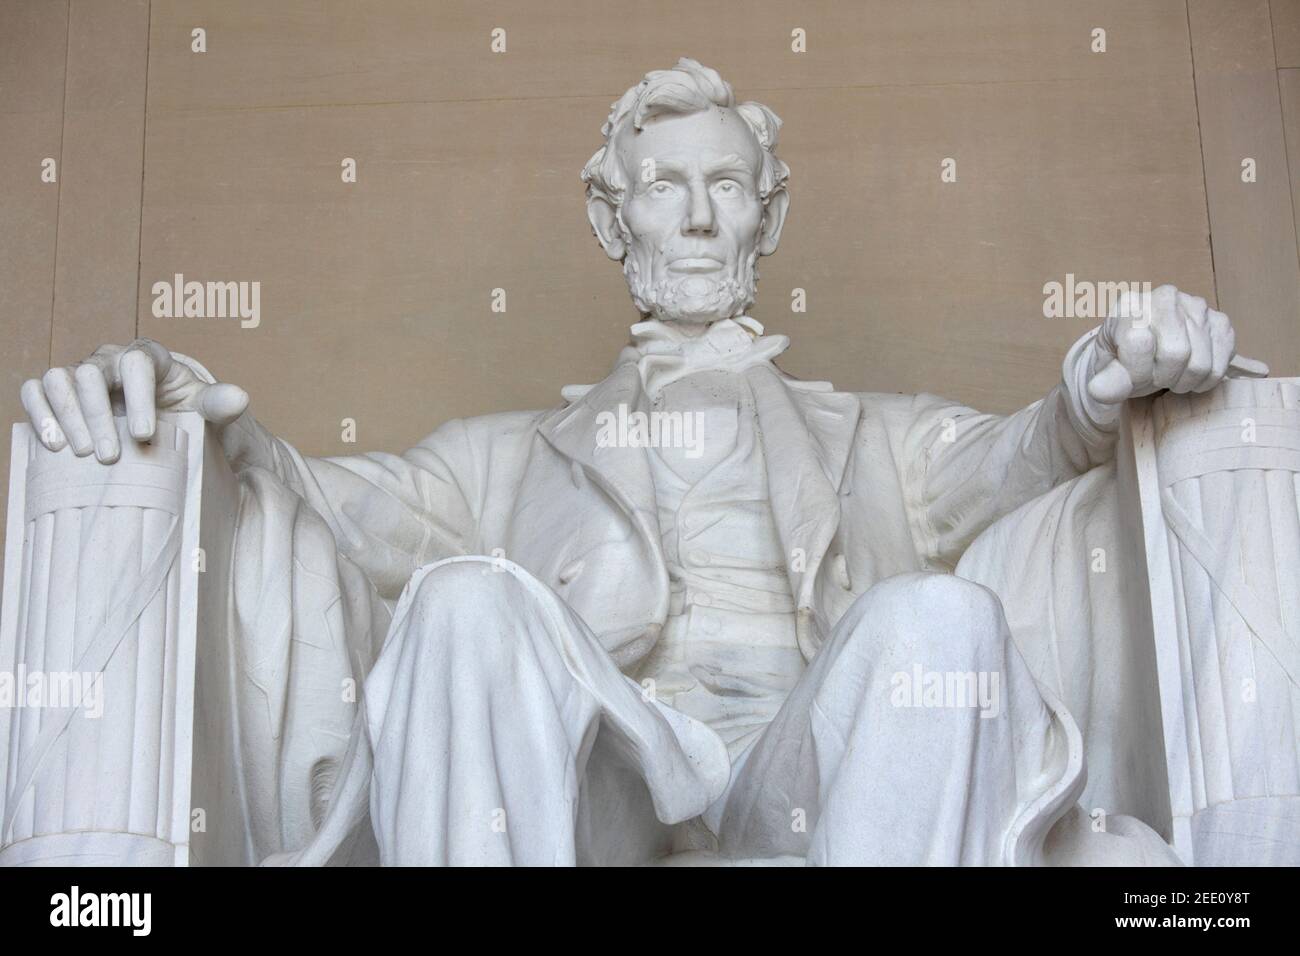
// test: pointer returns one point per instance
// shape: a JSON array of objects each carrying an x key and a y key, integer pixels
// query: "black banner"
[{"x": 338, "y": 907}]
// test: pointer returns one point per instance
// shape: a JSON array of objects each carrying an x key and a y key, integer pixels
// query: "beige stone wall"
[{"x": 376, "y": 296}]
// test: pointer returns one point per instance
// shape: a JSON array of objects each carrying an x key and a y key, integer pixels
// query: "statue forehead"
[{"x": 710, "y": 133}]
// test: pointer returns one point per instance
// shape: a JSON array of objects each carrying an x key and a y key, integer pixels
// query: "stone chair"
[{"x": 1161, "y": 603}]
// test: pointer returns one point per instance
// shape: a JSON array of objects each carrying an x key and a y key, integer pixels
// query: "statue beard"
[{"x": 693, "y": 298}]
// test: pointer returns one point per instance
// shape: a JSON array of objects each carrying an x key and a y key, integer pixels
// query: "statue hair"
[{"x": 689, "y": 87}]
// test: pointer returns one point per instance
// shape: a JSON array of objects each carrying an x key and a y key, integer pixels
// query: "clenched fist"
[
  {"x": 1167, "y": 340},
  {"x": 76, "y": 405}
]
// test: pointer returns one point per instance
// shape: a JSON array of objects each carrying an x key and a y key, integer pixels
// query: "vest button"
[{"x": 709, "y": 624}]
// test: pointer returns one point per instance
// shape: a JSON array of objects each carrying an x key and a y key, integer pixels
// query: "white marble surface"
[{"x": 699, "y": 612}]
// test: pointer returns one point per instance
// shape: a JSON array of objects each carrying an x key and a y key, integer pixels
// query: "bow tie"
[{"x": 663, "y": 354}]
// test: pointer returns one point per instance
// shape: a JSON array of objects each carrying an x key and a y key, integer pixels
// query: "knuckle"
[
  {"x": 148, "y": 348},
  {"x": 1130, "y": 308},
  {"x": 1195, "y": 307},
  {"x": 1139, "y": 339},
  {"x": 88, "y": 374}
]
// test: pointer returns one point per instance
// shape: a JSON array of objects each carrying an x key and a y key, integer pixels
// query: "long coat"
[{"x": 862, "y": 487}]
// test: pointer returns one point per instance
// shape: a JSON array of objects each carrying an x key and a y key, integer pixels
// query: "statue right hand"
[{"x": 76, "y": 405}]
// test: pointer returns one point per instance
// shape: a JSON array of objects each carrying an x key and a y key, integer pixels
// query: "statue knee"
[
  {"x": 477, "y": 612},
  {"x": 947, "y": 619},
  {"x": 474, "y": 580},
  {"x": 934, "y": 595}
]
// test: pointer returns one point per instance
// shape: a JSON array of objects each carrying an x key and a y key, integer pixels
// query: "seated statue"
[{"x": 701, "y": 612}]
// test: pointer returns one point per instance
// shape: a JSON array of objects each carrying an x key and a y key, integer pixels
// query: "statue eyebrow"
[
  {"x": 668, "y": 165},
  {"x": 734, "y": 163}
]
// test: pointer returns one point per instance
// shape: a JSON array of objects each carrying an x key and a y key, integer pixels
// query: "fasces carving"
[
  {"x": 93, "y": 608},
  {"x": 1218, "y": 475}
]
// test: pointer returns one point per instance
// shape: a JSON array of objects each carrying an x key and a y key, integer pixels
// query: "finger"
[
  {"x": 41, "y": 415},
  {"x": 142, "y": 366},
  {"x": 222, "y": 403},
  {"x": 1160, "y": 301},
  {"x": 1173, "y": 348},
  {"x": 1193, "y": 307},
  {"x": 1241, "y": 367},
  {"x": 1129, "y": 310},
  {"x": 1112, "y": 384},
  {"x": 1136, "y": 347},
  {"x": 162, "y": 359},
  {"x": 107, "y": 358},
  {"x": 1222, "y": 342},
  {"x": 1134, "y": 306},
  {"x": 92, "y": 392},
  {"x": 62, "y": 395},
  {"x": 1200, "y": 359}
]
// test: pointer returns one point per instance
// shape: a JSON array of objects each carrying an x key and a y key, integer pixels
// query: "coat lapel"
[
  {"x": 808, "y": 434},
  {"x": 573, "y": 432},
  {"x": 623, "y": 472}
]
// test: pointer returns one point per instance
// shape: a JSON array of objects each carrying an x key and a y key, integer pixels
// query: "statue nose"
[
  {"x": 699, "y": 217},
  {"x": 699, "y": 227}
]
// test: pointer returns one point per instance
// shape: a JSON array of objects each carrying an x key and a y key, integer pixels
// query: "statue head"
[{"x": 687, "y": 193}]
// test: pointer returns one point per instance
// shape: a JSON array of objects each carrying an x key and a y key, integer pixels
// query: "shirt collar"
[{"x": 663, "y": 354}]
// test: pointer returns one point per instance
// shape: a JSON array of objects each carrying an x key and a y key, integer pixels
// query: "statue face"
[{"x": 693, "y": 215}]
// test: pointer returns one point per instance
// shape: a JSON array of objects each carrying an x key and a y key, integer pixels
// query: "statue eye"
[
  {"x": 661, "y": 188},
  {"x": 727, "y": 187}
]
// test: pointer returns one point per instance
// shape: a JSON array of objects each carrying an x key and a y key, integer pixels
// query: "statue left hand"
[{"x": 1167, "y": 340}]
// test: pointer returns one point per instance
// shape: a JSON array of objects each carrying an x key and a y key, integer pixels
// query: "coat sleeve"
[
  {"x": 389, "y": 514},
  {"x": 322, "y": 547},
  {"x": 962, "y": 469}
]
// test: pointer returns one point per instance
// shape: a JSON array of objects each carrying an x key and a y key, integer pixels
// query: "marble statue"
[{"x": 702, "y": 612}]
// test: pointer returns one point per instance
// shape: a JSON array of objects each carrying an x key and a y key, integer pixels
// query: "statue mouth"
[{"x": 695, "y": 264}]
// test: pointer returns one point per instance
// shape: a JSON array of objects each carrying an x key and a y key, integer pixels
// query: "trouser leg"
[
  {"x": 484, "y": 711},
  {"x": 916, "y": 736}
]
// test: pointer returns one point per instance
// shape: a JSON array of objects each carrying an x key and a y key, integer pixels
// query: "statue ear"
[
  {"x": 773, "y": 222},
  {"x": 604, "y": 221}
]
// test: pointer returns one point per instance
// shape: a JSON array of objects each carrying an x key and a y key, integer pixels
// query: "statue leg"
[
  {"x": 916, "y": 736},
  {"x": 484, "y": 710}
]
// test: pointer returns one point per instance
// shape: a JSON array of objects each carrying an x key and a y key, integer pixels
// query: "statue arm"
[
  {"x": 389, "y": 514},
  {"x": 971, "y": 469},
  {"x": 965, "y": 469}
]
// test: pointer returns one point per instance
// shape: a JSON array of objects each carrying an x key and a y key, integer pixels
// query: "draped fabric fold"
[{"x": 305, "y": 626}]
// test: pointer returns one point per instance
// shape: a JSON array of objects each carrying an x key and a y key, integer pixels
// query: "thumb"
[
  {"x": 221, "y": 404},
  {"x": 1112, "y": 384}
]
